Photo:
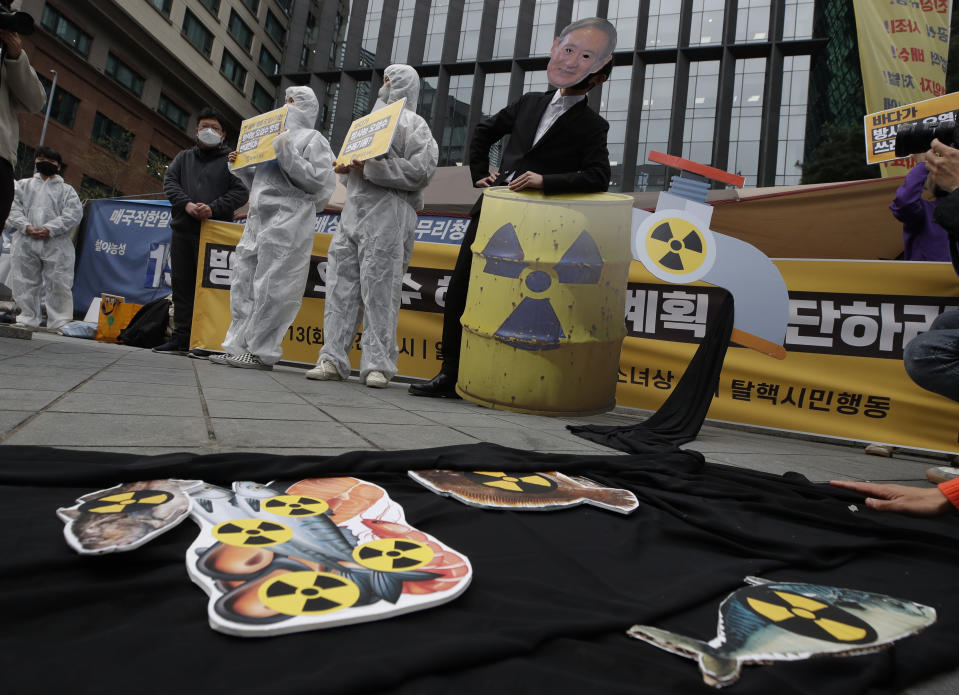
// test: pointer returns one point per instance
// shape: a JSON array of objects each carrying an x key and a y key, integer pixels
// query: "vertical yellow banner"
[{"x": 903, "y": 46}]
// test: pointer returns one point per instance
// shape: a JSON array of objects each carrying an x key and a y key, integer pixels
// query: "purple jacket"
[{"x": 924, "y": 239}]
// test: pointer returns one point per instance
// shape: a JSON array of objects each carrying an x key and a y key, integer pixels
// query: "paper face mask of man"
[{"x": 582, "y": 48}]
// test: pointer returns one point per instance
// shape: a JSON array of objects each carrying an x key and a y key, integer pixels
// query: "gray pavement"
[{"x": 79, "y": 394}]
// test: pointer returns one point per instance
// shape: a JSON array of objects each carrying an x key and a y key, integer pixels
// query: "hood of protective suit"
[
  {"x": 404, "y": 82},
  {"x": 305, "y": 108}
]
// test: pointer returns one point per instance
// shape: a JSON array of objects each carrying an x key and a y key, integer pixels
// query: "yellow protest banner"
[
  {"x": 903, "y": 45},
  {"x": 842, "y": 377},
  {"x": 371, "y": 135},
  {"x": 882, "y": 127},
  {"x": 255, "y": 143}
]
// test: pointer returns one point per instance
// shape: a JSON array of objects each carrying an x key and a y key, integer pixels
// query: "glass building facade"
[{"x": 722, "y": 82}]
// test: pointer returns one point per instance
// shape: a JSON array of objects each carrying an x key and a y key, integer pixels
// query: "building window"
[
  {"x": 252, "y": 5},
  {"x": 212, "y": 5},
  {"x": 752, "y": 20},
  {"x": 435, "y": 31},
  {"x": 157, "y": 163},
  {"x": 162, "y": 6},
  {"x": 92, "y": 188},
  {"x": 285, "y": 5},
  {"x": 26, "y": 160},
  {"x": 268, "y": 63},
  {"x": 700, "y": 116},
  {"x": 544, "y": 28},
  {"x": 583, "y": 9},
  {"x": 654, "y": 125},
  {"x": 745, "y": 123},
  {"x": 309, "y": 41},
  {"x": 614, "y": 107},
  {"x": 504, "y": 41},
  {"x": 172, "y": 112},
  {"x": 122, "y": 73},
  {"x": 469, "y": 33},
  {"x": 707, "y": 22},
  {"x": 662, "y": 29},
  {"x": 404, "y": 27},
  {"x": 424, "y": 107},
  {"x": 66, "y": 31},
  {"x": 240, "y": 31},
  {"x": 232, "y": 70},
  {"x": 64, "y": 107},
  {"x": 197, "y": 34},
  {"x": 262, "y": 99},
  {"x": 274, "y": 29},
  {"x": 792, "y": 120},
  {"x": 111, "y": 136},
  {"x": 455, "y": 136},
  {"x": 624, "y": 14},
  {"x": 495, "y": 94},
  {"x": 798, "y": 24}
]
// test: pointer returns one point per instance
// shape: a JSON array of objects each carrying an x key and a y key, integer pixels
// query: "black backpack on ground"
[{"x": 148, "y": 327}]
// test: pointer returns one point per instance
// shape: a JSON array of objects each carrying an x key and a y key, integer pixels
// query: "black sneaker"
[
  {"x": 201, "y": 354},
  {"x": 172, "y": 347}
]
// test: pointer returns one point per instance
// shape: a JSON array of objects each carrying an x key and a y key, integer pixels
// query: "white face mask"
[{"x": 209, "y": 137}]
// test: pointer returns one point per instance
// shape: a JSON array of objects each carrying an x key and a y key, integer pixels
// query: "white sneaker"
[
  {"x": 377, "y": 380},
  {"x": 942, "y": 474},
  {"x": 324, "y": 371},
  {"x": 219, "y": 359},
  {"x": 248, "y": 361}
]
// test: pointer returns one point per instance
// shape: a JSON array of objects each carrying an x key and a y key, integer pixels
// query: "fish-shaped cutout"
[
  {"x": 281, "y": 558},
  {"x": 524, "y": 491},
  {"x": 789, "y": 621},
  {"x": 125, "y": 516}
]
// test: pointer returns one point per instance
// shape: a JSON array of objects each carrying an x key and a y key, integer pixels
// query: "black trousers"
[
  {"x": 456, "y": 301},
  {"x": 6, "y": 191},
  {"x": 184, "y": 253}
]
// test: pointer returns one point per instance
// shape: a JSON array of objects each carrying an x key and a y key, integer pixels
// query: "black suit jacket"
[{"x": 571, "y": 156}]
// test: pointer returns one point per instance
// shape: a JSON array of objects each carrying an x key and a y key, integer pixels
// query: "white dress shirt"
[{"x": 556, "y": 108}]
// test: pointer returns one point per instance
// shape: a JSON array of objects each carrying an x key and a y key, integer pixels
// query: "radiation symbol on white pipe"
[
  {"x": 533, "y": 324},
  {"x": 674, "y": 248}
]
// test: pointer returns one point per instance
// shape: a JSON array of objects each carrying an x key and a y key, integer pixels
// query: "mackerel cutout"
[{"x": 788, "y": 621}]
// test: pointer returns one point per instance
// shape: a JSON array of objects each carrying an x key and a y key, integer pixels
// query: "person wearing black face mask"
[
  {"x": 557, "y": 144},
  {"x": 199, "y": 186},
  {"x": 45, "y": 210}
]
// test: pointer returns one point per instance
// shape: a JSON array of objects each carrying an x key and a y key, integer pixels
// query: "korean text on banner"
[
  {"x": 882, "y": 127},
  {"x": 903, "y": 47},
  {"x": 371, "y": 135},
  {"x": 124, "y": 249},
  {"x": 255, "y": 143}
]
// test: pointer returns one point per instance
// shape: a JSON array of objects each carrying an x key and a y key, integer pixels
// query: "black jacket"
[
  {"x": 571, "y": 156},
  {"x": 199, "y": 175}
]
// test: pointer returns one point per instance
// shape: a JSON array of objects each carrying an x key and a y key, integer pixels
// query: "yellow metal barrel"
[{"x": 544, "y": 319}]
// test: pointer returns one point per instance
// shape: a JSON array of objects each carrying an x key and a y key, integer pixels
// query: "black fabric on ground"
[
  {"x": 552, "y": 595},
  {"x": 681, "y": 416}
]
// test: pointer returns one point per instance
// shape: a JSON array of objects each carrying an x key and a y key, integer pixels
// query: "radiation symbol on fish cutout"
[
  {"x": 392, "y": 554},
  {"x": 533, "y": 324},
  {"x": 295, "y": 505},
  {"x": 308, "y": 593},
  {"x": 809, "y": 617},
  {"x": 125, "y": 502},
  {"x": 252, "y": 533},
  {"x": 674, "y": 248},
  {"x": 527, "y": 483}
]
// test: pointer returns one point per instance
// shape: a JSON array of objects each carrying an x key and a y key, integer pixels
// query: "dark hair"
[
  {"x": 208, "y": 114},
  {"x": 607, "y": 69},
  {"x": 50, "y": 153}
]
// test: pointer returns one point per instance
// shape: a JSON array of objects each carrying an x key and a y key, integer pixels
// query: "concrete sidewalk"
[{"x": 79, "y": 394}]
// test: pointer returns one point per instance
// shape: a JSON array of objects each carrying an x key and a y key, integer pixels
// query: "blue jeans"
[{"x": 932, "y": 358}]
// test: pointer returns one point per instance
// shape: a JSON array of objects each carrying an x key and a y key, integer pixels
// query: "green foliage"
[{"x": 840, "y": 156}]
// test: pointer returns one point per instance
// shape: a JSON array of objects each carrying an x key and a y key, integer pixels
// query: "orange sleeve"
[{"x": 950, "y": 489}]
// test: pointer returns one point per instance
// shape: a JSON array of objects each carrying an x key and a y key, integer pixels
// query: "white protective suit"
[
  {"x": 371, "y": 249},
  {"x": 39, "y": 263},
  {"x": 273, "y": 255}
]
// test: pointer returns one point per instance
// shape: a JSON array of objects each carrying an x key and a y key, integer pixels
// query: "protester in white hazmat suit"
[
  {"x": 372, "y": 247},
  {"x": 45, "y": 210},
  {"x": 273, "y": 255}
]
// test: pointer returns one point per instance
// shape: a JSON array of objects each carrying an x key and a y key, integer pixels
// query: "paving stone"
[
  {"x": 385, "y": 416},
  {"x": 283, "y": 433},
  {"x": 264, "y": 411},
  {"x": 29, "y": 382},
  {"x": 218, "y": 394},
  {"x": 147, "y": 376},
  {"x": 22, "y": 399},
  {"x": 131, "y": 388},
  {"x": 11, "y": 418},
  {"x": 83, "y": 429},
  {"x": 128, "y": 404},
  {"x": 406, "y": 437}
]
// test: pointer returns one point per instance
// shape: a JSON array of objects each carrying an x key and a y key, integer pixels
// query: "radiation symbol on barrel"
[
  {"x": 809, "y": 617},
  {"x": 252, "y": 533},
  {"x": 533, "y": 324},
  {"x": 392, "y": 554},
  {"x": 125, "y": 502},
  {"x": 674, "y": 248},
  {"x": 526, "y": 483},
  {"x": 295, "y": 505},
  {"x": 308, "y": 593}
]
